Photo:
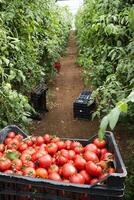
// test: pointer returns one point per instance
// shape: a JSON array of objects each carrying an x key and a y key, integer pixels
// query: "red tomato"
[
  {"x": 99, "y": 143},
  {"x": 41, "y": 173},
  {"x": 86, "y": 176},
  {"x": 5, "y": 164},
  {"x": 45, "y": 161},
  {"x": 107, "y": 157},
  {"x": 38, "y": 154},
  {"x": 80, "y": 163},
  {"x": 29, "y": 150},
  {"x": 9, "y": 171},
  {"x": 77, "y": 179},
  {"x": 16, "y": 164},
  {"x": 66, "y": 181},
  {"x": 61, "y": 160},
  {"x": 7, "y": 140},
  {"x": 94, "y": 180},
  {"x": 91, "y": 147},
  {"x": 71, "y": 154},
  {"x": 75, "y": 144},
  {"x": 30, "y": 164},
  {"x": 79, "y": 149},
  {"x": 68, "y": 144},
  {"x": 29, "y": 171},
  {"x": 103, "y": 175},
  {"x": 111, "y": 170},
  {"x": 55, "y": 139},
  {"x": 47, "y": 138},
  {"x": 53, "y": 168},
  {"x": 103, "y": 151},
  {"x": 54, "y": 176},
  {"x": 52, "y": 148},
  {"x": 11, "y": 134},
  {"x": 61, "y": 145},
  {"x": 25, "y": 157},
  {"x": 20, "y": 173},
  {"x": 13, "y": 144},
  {"x": 2, "y": 147},
  {"x": 64, "y": 153},
  {"x": 68, "y": 170},
  {"x": 39, "y": 140},
  {"x": 29, "y": 142},
  {"x": 19, "y": 137},
  {"x": 23, "y": 146},
  {"x": 93, "y": 169},
  {"x": 91, "y": 156}
]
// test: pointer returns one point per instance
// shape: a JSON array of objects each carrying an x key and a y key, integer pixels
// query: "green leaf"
[
  {"x": 113, "y": 117},
  {"x": 123, "y": 106},
  {"x": 103, "y": 126},
  {"x": 131, "y": 97}
]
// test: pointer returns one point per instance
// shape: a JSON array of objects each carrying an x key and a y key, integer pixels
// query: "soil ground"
[{"x": 61, "y": 94}]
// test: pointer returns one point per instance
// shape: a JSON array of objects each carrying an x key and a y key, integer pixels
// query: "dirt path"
[{"x": 62, "y": 93}]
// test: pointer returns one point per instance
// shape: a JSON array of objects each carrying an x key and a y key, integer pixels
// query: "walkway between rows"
[{"x": 62, "y": 93}]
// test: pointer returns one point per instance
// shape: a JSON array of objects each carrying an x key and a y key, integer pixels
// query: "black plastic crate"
[
  {"x": 38, "y": 98},
  {"x": 83, "y": 106},
  {"x": 13, "y": 187}
]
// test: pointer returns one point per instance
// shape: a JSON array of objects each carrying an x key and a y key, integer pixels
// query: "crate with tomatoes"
[{"x": 49, "y": 167}]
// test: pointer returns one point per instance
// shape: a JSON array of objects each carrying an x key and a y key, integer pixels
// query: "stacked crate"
[{"x": 83, "y": 106}]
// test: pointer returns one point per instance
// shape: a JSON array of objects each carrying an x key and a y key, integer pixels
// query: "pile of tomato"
[{"x": 52, "y": 158}]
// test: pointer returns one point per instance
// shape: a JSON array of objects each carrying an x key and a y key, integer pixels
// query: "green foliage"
[
  {"x": 112, "y": 117},
  {"x": 105, "y": 39},
  {"x": 33, "y": 35}
]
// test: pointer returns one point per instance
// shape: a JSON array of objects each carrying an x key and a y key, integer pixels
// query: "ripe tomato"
[
  {"x": 45, "y": 161},
  {"x": 9, "y": 171},
  {"x": 29, "y": 142},
  {"x": 66, "y": 180},
  {"x": 13, "y": 144},
  {"x": 2, "y": 147},
  {"x": 61, "y": 145},
  {"x": 23, "y": 146},
  {"x": 29, "y": 150},
  {"x": 68, "y": 170},
  {"x": 20, "y": 173},
  {"x": 55, "y": 139},
  {"x": 47, "y": 138},
  {"x": 75, "y": 144},
  {"x": 79, "y": 149},
  {"x": 19, "y": 137},
  {"x": 54, "y": 176},
  {"x": 25, "y": 157},
  {"x": 93, "y": 169},
  {"x": 41, "y": 173},
  {"x": 91, "y": 156},
  {"x": 99, "y": 143},
  {"x": 80, "y": 163},
  {"x": 71, "y": 154},
  {"x": 103, "y": 176},
  {"x": 11, "y": 134},
  {"x": 103, "y": 151},
  {"x": 53, "y": 168},
  {"x": 93, "y": 180},
  {"x": 68, "y": 144},
  {"x": 7, "y": 140},
  {"x": 30, "y": 164},
  {"x": 29, "y": 171},
  {"x": 39, "y": 140},
  {"x": 64, "y": 153},
  {"x": 107, "y": 157},
  {"x": 111, "y": 170},
  {"x": 91, "y": 147},
  {"x": 5, "y": 164},
  {"x": 16, "y": 164},
  {"x": 86, "y": 176},
  {"x": 61, "y": 160},
  {"x": 77, "y": 179},
  {"x": 52, "y": 148},
  {"x": 38, "y": 154}
]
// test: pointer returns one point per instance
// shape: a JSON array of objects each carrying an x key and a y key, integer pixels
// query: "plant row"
[
  {"x": 105, "y": 39},
  {"x": 33, "y": 35}
]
